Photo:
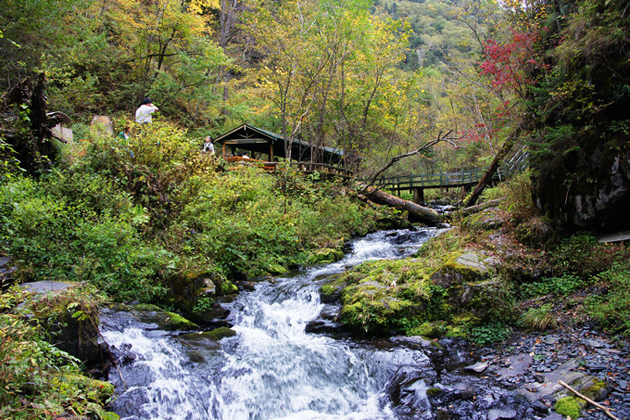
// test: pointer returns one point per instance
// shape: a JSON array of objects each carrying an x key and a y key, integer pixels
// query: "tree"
[{"x": 328, "y": 69}]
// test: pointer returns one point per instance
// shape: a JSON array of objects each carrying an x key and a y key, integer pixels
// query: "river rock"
[
  {"x": 517, "y": 365},
  {"x": 501, "y": 414},
  {"x": 470, "y": 289},
  {"x": 478, "y": 367},
  {"x": 164, "y": 320},
  {"x": 78, "y": 337}
]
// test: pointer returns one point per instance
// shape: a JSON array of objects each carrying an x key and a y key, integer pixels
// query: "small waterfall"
[{"x": 272, "y": 368}]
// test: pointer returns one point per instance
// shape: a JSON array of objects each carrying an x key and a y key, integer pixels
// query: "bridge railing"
[
  {"x": 454, "y": 179},
  {"x": 436, "y": 180}
]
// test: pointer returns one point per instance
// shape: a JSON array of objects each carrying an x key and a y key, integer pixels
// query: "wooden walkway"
[{"x": 465, "y": 179}]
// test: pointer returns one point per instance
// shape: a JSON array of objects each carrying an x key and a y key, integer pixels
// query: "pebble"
[{"x": 604, "y": 360}]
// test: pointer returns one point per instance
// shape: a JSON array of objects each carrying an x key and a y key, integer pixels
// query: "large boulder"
[{"x": 408, "y": 295}]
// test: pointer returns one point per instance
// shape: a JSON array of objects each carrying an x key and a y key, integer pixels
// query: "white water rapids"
[{"x": 273, "y": 368}]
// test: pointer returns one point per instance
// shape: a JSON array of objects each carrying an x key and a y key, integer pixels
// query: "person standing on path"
[{"x": 143, "y": 114}]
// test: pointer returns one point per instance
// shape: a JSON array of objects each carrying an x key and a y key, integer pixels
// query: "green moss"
[
  {"x": 596, "y": 391},
  {"x": 325, "y": 256},
  {"x": 214, "y": 335},
  {"x": 429, "y": 329},
  {"x": 569, "y": 406},
  {"x": 456, "y": 331},
  {"x": 177, "y": 322},
  {"x": 146, "y": 307},
  {"x": 275, "y": 268},
  {"x": 465, "y": 318},
  {"x": 433, "y": 392},
  {"x": 164, "y": 319}
]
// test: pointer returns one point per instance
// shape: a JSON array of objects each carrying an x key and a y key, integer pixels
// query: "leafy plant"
[
  {"x": 611, "y": 307},
  {"x": 540, "y": 319},
  {"x": 37, "y": 380},
  {"x": 490, "y": 333}
]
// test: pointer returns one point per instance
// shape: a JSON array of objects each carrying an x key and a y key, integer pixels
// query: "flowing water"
[{"x": 273, "y": 368}]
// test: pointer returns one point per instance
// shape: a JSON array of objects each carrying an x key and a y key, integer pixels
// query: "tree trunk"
[
  {"x": 496, "y": 162},
  {"x": 416, "y": 213}
]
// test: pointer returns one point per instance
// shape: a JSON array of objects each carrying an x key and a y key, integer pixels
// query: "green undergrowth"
[
  {"x": 552, "y": 271},
  {"x": 37, "y": 380},
  {"x": 135, "y": 225}
]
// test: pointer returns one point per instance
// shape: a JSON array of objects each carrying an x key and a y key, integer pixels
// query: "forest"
[{"x": 400, "y": 87}]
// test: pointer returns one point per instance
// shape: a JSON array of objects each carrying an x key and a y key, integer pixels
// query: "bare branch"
[{"x": 427, "y": 145}]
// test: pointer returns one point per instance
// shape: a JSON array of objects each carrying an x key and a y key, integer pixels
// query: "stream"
[{"x": 275, "y": 367}]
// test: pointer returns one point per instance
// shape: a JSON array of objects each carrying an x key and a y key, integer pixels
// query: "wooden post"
[{"x": 418, "y": 195}]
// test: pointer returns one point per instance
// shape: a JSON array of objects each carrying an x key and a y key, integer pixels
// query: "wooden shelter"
[{"x": 265, "y": 145}]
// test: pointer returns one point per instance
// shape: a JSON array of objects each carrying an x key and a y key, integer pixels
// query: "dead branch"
[
  {"x": 425, "y": 146},
  {"x": 587, "y": 399},
  {"x": 480, "y": 207}
]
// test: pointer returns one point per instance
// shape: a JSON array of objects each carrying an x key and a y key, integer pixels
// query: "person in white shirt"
[
  {"x": 143, "y": 114},
  {"x": 208, "y": 146}
]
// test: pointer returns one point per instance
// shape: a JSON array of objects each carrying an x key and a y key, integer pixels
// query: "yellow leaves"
[{"x": 198, "y": 6}]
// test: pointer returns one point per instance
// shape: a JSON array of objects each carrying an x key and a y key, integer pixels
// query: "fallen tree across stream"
[{"x": 416, "y": 212}]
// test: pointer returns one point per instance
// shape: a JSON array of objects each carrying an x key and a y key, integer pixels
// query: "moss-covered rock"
[
  {"x": 430, "y": 329},
  {"x": 163, "y": 319},
  {"x": 470, "y": 287},
  {"x": 331, "y": 292},
  {"x": 412, "y": 296},
  {"x": 101, "y": 391},
  {"x": 214, "y": 335},
  {"x": 325, "y": 256},
  {"x": 188, "y": 287},
  {"x": 489, "y": 219},
  {"x": 569, "y": 406}
]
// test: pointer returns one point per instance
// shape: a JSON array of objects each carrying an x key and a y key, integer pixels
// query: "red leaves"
[{"x": 508, "y": 62}]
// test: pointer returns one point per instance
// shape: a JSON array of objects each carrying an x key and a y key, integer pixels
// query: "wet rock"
[
  {"x": 478, "y": 367},
  {"x": 516, "y": 365},
  {"x": 465, "y": 390},
  {"x": 164, "y": 320},
  {"x": 413, "y": 400},
  {"x": 593, "y": 343},
  {"x": 501, "y": 414},
  {"x": 325, "y": 256},
  {"x": 551, "y": 339}
]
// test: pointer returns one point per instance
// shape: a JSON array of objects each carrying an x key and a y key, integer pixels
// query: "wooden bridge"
[{"x": 465, "y": 179}]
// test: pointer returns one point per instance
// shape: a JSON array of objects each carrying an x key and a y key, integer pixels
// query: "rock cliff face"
[
  {"x": 587, "y": 192},
  {"x": 578, "y": 117}
]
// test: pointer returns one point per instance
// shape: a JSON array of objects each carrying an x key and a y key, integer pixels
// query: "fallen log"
[
  {"x": 416, "y": 212},
  {"x": 467, "y": 211}
]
